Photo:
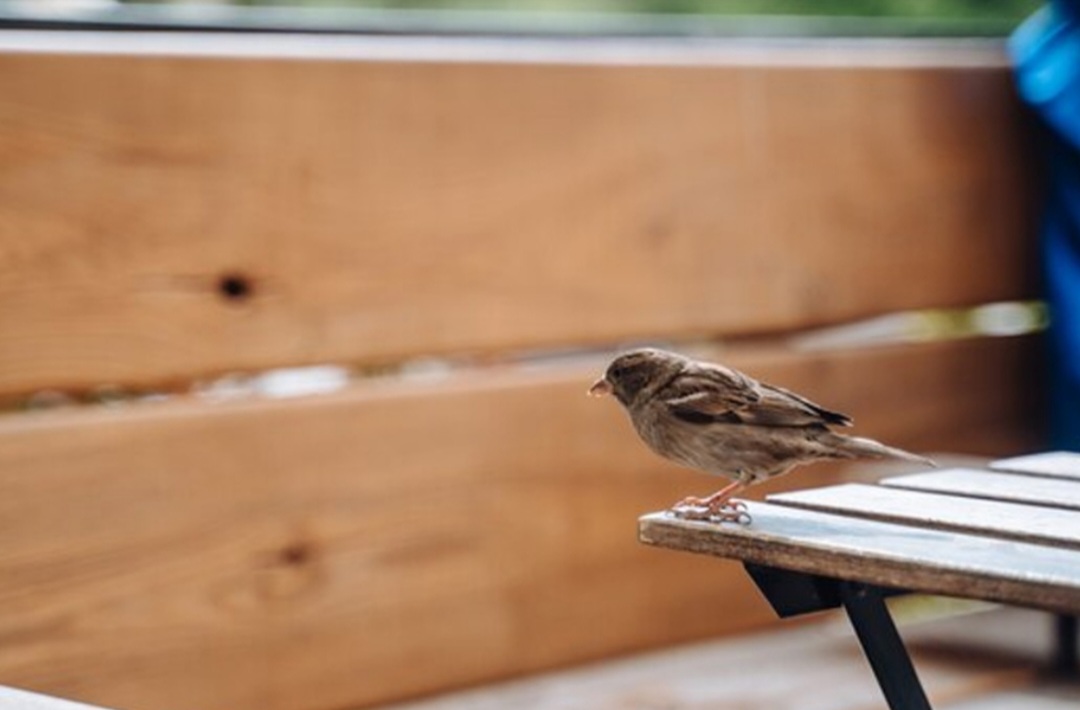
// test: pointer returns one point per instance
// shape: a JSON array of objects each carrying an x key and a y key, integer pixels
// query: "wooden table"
[{"x": 1009, "y": 533}]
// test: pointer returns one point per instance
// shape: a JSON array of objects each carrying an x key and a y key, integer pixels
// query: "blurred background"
[{"x": 695, "y": 17}]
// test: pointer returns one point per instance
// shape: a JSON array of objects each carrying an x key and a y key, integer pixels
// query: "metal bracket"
[
  {"x": 865, "y": 607},
  {"x": 794, "y": 593},
  {"x": 1065, "y": 638}
]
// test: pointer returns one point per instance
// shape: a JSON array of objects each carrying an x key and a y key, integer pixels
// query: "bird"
[{"x": 723, "y": 422}]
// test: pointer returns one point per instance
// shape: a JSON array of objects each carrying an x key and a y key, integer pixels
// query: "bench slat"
[
  {"x": 379, "y": 210},
  {"x": 1054, "y": 464},
  {"x": 994, "y": 486},
  {"x": 362, "y": 520},
  {"x": 945, "y": 512},
  {"x": 886, "y": 554}
]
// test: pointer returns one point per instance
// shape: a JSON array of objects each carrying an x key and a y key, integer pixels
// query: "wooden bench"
[
  {"x": 466, "y": 229},
  {"x": 1009, "y": 534}
]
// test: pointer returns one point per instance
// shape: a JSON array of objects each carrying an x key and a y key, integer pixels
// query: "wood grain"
[
  {"x": 397, "y": 539},
  {"x": 376, "y": 209},
  {"x": 1055, "y": 464},
  {"x": 1050, "y": 492},
  {"x": 945, "y": 512},
  {"x": 901, "y": 556},
  {"x": 339, "y": 552}
]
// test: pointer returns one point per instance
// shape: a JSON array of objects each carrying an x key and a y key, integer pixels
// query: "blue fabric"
[{"x": 1046, "y": 52}]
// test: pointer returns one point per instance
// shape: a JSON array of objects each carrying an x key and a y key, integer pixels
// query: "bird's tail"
[{"x": 860, "y": 447}]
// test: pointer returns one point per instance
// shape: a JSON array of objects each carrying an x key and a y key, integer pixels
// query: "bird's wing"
[
  {"x": 717, "y": 394},
  {"x": 781, "y": 407},
  {"x": 709, "y": 394}
]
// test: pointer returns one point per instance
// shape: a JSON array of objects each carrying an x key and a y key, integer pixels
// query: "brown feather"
[{"x": 721, "y": 421}]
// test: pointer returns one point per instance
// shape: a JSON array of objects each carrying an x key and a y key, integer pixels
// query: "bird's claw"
[
  {"x": 689, "y": 512},
  {"x": 741, "y": 517},
  {"x": 729, "y": 512}
]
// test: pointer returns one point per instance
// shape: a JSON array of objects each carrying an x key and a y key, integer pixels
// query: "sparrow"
[{"x": 718, "y": 420}]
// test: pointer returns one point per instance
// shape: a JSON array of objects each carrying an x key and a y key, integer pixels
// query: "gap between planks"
[
  {"x": 993, "y": 518},
  {"x": 1054, "y": 464},
  {"x": 994, "y": 485}
]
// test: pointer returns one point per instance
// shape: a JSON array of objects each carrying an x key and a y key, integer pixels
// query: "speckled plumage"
[{"x": 720, "y": 421}]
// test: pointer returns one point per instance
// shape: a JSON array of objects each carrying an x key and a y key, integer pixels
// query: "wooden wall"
[
  {"x": 383, "y": 209},
  {"x": 173, "y": 215}
]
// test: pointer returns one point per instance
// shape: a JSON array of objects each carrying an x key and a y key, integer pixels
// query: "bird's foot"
[
  {"x": 691, "y": 502},
  {"x": 712, "y": 503},
  {"x": 736, "y": 505},
  {"x": 730, "y": 511}
]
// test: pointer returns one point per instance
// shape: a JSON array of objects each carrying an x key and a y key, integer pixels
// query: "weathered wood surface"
[
  {"x": 1055, "y": 464},
  {"x": 396, "y": 539},
  {"x": 992, "y": 485},
  {"x": 886, "y": 554},
  {"x": 366, "y": 209},
  {"x": 943, "y": 532},
  {"x": 946, "y": 512}
]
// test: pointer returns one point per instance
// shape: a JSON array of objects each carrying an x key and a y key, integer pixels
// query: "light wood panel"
[
  {"x": 1059, "y": 527},
  {"x": 1055, "y": 464},
  {"x": 885, "y": 554},
  {"x": 1033, "y": 490},
  {"x": 368, "y": 209},
  {"x": 397, "y": 539}
]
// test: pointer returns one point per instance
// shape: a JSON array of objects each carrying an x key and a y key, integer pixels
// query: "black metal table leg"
[
  {"x": 795, "y": 593},
  {"x": 1065, "y": 637},
  {"x": 865, "y": 607}
]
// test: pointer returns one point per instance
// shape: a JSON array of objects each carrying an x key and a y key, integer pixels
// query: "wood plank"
[
  {"x": 15, "y": 699},
  {"x": 367, "y": 205},
  {"x": 886, "y": 554},
  {"x": 974, "y": 483},
  {"x": 944, "y": 512},
  {"x": 397, "y": 538},
  {"x": 335, "y": 552},
  {"x": 1056, "y": 464}
]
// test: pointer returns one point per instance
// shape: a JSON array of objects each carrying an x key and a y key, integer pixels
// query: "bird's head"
[{"x": 635, "y": 374}]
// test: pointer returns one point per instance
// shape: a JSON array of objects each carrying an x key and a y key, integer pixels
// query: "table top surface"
[{"x": 1007, "y": 533}]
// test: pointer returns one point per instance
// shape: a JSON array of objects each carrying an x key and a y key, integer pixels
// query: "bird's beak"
[{"x": 600, "y": 388}]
